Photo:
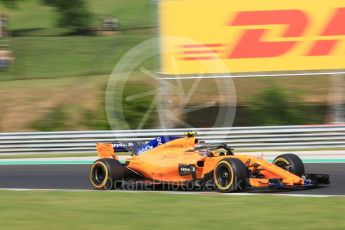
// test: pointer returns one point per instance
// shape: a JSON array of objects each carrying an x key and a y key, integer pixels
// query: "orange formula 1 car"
[{"x": 180, "y": 161}]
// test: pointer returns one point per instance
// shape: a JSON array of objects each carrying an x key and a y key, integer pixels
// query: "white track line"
[
  {"x": 174, "y": 192},
  {"x": 210, "y": 76}
]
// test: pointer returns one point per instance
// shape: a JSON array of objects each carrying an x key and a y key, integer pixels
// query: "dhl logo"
[
  {"x": 252, "y": 42},
  {"x": 231, "y": 36}
]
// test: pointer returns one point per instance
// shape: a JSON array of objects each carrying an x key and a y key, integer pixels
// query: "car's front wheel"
[
  {"x": 230, "y": 175},
  {"x": 291, "y": 163}
]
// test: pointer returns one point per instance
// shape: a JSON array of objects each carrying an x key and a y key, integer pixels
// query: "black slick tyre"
[
  {"x": 291, "y": 163},
  {"x": 230, "y": 175},
  {"x": 105, "y": 173}
]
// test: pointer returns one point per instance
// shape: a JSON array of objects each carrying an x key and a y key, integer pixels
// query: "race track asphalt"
[{"x": 76, "y": 177}]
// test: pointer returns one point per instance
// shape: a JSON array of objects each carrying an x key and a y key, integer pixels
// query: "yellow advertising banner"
[{"x": 235, "y": 36}]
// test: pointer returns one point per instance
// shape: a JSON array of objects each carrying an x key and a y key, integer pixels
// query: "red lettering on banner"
[
  {"x": 335, "y": 28},
  {"x": 251, "y": 44}
]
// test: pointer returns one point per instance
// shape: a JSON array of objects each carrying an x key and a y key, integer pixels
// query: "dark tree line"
[{"x": 73, "y": 14}]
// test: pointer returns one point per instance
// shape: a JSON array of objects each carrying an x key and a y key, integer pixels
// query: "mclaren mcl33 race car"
[{"x": 182, "y": 161}]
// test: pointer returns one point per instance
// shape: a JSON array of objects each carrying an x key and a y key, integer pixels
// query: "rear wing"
[
  {"x": 121, "y": 147},
  {"x": 109, "y": 150}
]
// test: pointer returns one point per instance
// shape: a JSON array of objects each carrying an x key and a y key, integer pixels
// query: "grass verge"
[{"x": 123, "y": 210}]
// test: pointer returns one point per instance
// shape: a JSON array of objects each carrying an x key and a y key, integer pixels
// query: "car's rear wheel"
[
  {"x": 230, "y": 175},
  {"x": 290, "y": 162},
  {"x": 106, "y": 173}
]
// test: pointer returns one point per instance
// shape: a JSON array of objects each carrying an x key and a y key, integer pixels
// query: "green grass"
[
  {"x": 42, "y": 50},
  {"x": 31, "y": 18},
  {"x": 122, "y": 210},
  {"x": 132, "y": 14},
  {"x": 49, "y": 57}
]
